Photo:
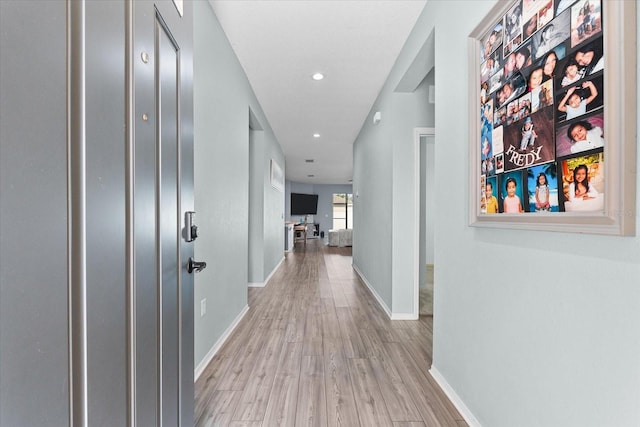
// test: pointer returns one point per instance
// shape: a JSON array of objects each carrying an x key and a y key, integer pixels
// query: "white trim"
[
  {"x": 454, "y": 398},
  {"x": 263, "y": 284},
  {"x": 257, "y": 284},
  {"x": 373, "y": 292},
  {"x": 404, "y": 316},
  {"x": 214, "y": 349},
  {"x": 390, "y": 314}
]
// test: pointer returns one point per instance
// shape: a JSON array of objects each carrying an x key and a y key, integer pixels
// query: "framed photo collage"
[{"x": 542, "y": 107}]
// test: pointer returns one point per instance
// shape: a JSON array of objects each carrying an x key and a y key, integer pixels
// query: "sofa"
[{"x": 340, "y": 237}]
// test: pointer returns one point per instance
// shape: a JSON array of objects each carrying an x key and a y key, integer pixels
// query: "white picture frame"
[
  {"x": 277, "y": 176},
  {"x": 618, "y": 210}
]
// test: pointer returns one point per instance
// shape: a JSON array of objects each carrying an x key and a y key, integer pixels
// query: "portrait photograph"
[
  {"x": 513, "y": 23},
  {"x": 512, "y": 89},
  {"x": 552, "y": 34},
  {"x": 492, "y": 41},
  {"x": 512, "y": 45},
  {"x": 589, "y": 57},
  {"x": 542, "y": 94},
  {"x": 542, "y": 186},
  {"x": 585, "y": 21},
  {"x": 523, "y": 56},
  {"x": 582, "y": 183},
  {"x": 491, "y": 65},
  {"x": 490, "y": 199},
  {"x": 512, "y": 112},
  {"x": 530, "y": 141},
  {"x": 511, "y": 196},
  {"x": 530, "y": 27},
  {"x": 579, "y": 98},
  {"x": 582, "y": 135}
]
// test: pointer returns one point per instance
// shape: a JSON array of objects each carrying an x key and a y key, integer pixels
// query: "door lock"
[
  {"x": 195, "y": 266},
  {"x": 190, "y": 229}
]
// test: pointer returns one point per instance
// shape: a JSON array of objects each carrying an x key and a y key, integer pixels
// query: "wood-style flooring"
[{"x": 316, "y": 349}]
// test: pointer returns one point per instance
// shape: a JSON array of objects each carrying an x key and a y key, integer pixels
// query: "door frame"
[{"x": 417, "y": 134}]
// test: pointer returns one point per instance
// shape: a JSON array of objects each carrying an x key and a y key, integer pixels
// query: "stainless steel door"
[{"x": 164, "y": 191}]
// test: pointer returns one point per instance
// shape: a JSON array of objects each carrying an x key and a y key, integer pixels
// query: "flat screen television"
[{"x": 304, "y": 204}]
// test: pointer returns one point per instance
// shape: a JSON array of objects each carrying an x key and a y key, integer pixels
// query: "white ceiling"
[{"x": 281, "y": 43}]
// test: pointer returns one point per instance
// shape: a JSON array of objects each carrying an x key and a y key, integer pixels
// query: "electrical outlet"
[{"x": 203, "y": 307}]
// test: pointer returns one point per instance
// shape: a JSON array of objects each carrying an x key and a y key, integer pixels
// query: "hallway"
[{"x": 316, "y": 349}]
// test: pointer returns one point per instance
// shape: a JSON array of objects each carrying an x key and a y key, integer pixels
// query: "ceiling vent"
[{"x": 309, "y": 161}]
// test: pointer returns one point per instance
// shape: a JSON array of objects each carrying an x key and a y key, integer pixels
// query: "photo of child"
[
  {"x": 585, "y": 21},
  {"x": 529, "y": 142},
  {"x": 542, "y": 184},
  {"x": 583, "y": 183},
  {"x": 570, "y": 73},
  {"x": 528, "y": 133},
  {"x": 582, "y": 135},
  {"x": 579, "y": 99},
  {"x": 491, "y": 202},
  {"x": 511, "y": 193}
]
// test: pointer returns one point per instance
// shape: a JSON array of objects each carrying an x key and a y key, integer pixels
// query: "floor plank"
[
  {"x": 371, "y": 407},
  {"x": 316, "y": 349},
  {"x": 312, "y": 404}
]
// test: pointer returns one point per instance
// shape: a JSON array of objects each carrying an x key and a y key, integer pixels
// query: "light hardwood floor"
[{"x": 315, "y": 349}]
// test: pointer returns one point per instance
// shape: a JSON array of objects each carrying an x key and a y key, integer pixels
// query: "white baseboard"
[
  {"x": 373, "y": 292},
  {"x": 404, "y": 316},
  {"x": 263, "y": 284},
  {"x": 392, "y": 316},
  {"x": 214, "y": 349},
  {"x": 455, "y": 399},
  {"x": 257, "y": 284}
]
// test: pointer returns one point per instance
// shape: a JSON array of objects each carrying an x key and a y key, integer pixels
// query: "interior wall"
[
  {"x": 553, "y": 321},
  {"x": 389, "y": 147},
  {"x": 222, "y": 100},
  {"x": 372, "y": 204}
]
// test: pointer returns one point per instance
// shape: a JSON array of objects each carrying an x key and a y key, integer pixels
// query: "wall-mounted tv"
[{"x": 304, "y": 204}]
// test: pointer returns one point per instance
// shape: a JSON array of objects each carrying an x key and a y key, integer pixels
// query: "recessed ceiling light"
[
  {"x": 316, "y": 135},
  {"x": 318, "y": 76}
]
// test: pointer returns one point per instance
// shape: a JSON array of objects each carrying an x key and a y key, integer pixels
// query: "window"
[{"x": 342, "y": 211}]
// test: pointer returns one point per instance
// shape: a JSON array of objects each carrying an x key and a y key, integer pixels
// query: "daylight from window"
[{"x": 342, "y": 211}]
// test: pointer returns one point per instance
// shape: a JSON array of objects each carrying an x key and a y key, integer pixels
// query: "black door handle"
[{"x": 196, "y": 266}]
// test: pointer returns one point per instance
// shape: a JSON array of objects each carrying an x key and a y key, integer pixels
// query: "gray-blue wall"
[
  {"x": 222, "y": 103},
  {"x": 556, "y": 348}
]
